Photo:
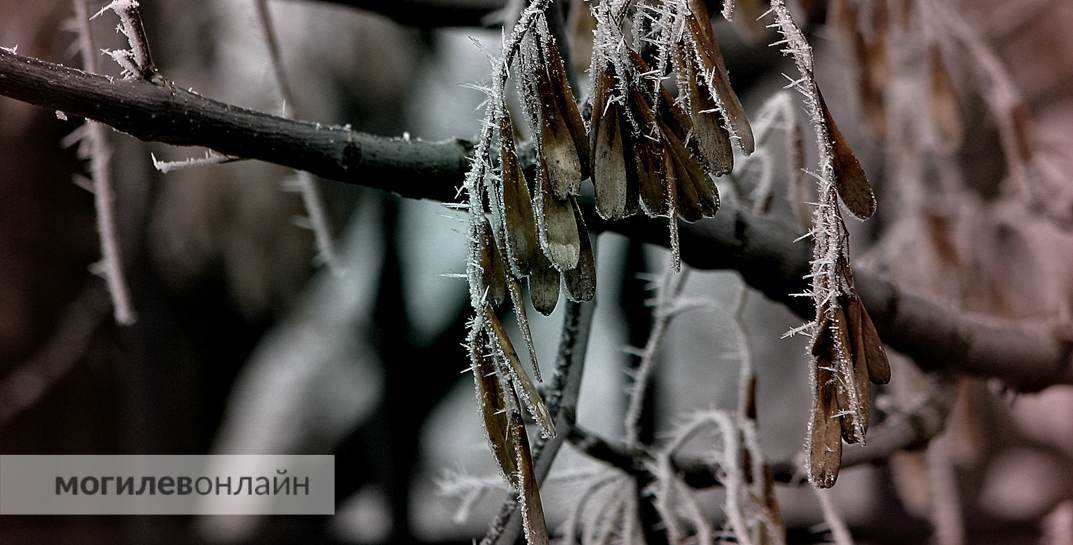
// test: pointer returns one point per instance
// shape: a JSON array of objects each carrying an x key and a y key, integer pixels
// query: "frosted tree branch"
[{"x": 1026, "y": 355}]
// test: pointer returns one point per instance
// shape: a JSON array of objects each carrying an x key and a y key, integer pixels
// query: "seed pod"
[
  {"x": 544, "y": 286},
  {"x": 581, "y": 280},
  {"x": 536, "y": 530},
  {"x": 714, "y": 69},
  {"x": 556, "y": 137},
  {"x": 850, "y": 180},
  {"x": 556, "y": 224},
  {"x": 520, "y": 226},
  {"x": 493, "y": 406},
  {"x": 945, "y": 108},
  {"x": 825, "y": 427},
  {"x": 493, "y": 271},
  {"x": 711, "y": 138},
  {"x": 609, "y": 176},
  {"x": 509, "y": 358}
]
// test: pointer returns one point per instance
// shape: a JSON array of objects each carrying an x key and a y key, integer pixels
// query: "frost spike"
[
  {"x": 536, "y": 529},
  {"x": 518, "y": 378},
  {"x": 850, "y": 180},
  {"x": 581, "y": 280},
  {"x": 544, "y": 286},
  {"x": 715, "y": 71},
  {"x": 556, "y": 224},
  {"x": 520, "y": 226},
  {"x": 556, "y": 139},
  {"x": 493, "y": 405}
]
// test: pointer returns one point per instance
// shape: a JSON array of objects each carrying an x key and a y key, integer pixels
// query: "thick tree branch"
[
  {"x": 430, "y": 13},
  {"x": 165, "y": 113},
  {"x": 1026, "y": 355}
]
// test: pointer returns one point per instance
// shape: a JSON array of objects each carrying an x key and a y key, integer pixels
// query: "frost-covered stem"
[
  {"x": 561, "y": 401},
  {"x": 130, "y": 19},
  {"x": 670, "y": 286},
  {"x": 307, "y": 185},
  {"x": 111, "y": 264},
  {"x": 946, "y": 511},
  {"x": 431, "y": 13},
  {"x": 839, "y": 531}
]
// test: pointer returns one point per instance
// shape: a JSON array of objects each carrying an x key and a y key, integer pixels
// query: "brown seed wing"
[
  {"x": 850, "y": 180},
  {"x": 569, "y": 109},
  {"x": 493, "y": 407},
  {"x": 536, "y": 530},
  {"x": 711, "y": 60},
  {"x": 521, "y": 235},
  {"x": 697, "y": 196},
  {"x": 854, "y": 415},
  {"x": 609, "y": 170},
  {"x": 544, "y": 287},
  {"x": 581, "y": 280},
  {"x": 556, "y": 139},
  {"x": 529, "y": 394},
  {"x": 878, "y": 364},
  {"x": 493, "y": 272},
  {"x": 558, "y": 228},
  {"x": 825, "y": 428},
  {"x": 711, "y": 138}
]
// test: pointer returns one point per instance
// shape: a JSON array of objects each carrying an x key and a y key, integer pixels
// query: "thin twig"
[
  {"x": 307, "y": 186},
  {"x": 111, "y": 264}
]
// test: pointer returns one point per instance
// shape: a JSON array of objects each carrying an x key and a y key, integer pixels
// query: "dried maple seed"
[
  {"x": 520, "y": 225},
  {"x": 505, "y": 351},
  {"x": 559, "y": 149},
  {"x": 850, "y": 180},
  {"x": 581, "y": 280},
  {"x": 544, "y": 286},
  {"x": 825, "y": 427},
  {"x": 714, "y": 69},
  {"x": 711, "y": 138},
  {"x": 493, "y": 406},
  {"x": 609, "y": 175},
  {"x": 556, "y": 224},
  {"x": 493, "y": 272},
  {"x": 533, "y": 523}
]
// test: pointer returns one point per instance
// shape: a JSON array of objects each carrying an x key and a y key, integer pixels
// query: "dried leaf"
[
  {"x": 493, "y": 405},
  {"x": 581, "y": 280},
  {"x": 529, "y": 394},
  {"x": 850, "y": 180},
  {"x": 536, "y": 530},
  {"x": 544, "y": 286},
  {"x": 493, "y": 271},
  {"x": 711, "y": 59},
  {"x": 520, "y": 230},
  {"x": 556, "y": 224},
  {"x": 945, "y": 107},
  {"x": 556, "y": 138}
]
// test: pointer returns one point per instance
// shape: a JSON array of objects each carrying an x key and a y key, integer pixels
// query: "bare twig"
[
  {"x": 307, "y": 186},
  {"x": 111, "y": 264},
  {"x": 138, "y": 60}
]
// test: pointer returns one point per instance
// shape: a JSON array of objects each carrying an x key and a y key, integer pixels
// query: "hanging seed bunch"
[
  {"x": 650, "y": 150},
  {"x": 846, "y": 350}
]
